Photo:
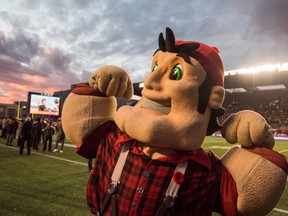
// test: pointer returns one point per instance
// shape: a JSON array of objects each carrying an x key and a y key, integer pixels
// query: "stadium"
[
  {"x": 54, "y": 184},
  {"x": 262, "y": 89}
]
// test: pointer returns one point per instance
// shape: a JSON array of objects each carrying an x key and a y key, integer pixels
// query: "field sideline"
[{"x": 46, "y": 183}]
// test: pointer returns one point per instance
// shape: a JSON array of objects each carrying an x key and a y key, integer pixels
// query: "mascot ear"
[{"x": 216, "y": 97}]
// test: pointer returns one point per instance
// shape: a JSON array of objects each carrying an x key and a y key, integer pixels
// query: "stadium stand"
[{"x": 272, "y": 104}]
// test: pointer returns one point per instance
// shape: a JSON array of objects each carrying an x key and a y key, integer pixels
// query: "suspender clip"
[
  {"x": 112, "y": 188},
  {"x": 168, "y": 201}
]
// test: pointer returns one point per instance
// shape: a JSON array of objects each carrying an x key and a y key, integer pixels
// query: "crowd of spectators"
[
  {"x": 271, "y": 104},
  {"x": 36, "y": 134}
]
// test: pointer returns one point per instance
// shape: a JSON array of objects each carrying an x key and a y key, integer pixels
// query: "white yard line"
[
  {"x": 215, "y": 141},
  {"x": 219, "y": 147},
  {"x": 57, "y": 158},
  {"x": 49, "y": 156},
  {"x": 281, "y": 210},
  {"x": 286, "y": 150}
]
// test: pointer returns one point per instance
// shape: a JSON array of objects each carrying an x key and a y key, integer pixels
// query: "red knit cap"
[{"x": 210, "y": 60}]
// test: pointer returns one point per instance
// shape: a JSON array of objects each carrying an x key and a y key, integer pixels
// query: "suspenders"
[
  {"x": 112, "y": 188},
  {"x": 172, "y": 190},
  {"x": 170, "y": 195}
]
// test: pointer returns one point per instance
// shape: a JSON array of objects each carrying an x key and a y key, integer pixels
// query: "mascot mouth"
[{"x": 163, "y": 107}]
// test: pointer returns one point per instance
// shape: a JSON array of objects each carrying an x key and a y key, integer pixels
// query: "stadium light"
[
  {"x": 270, "y": 87},
  {"x": 258, "y": 69},
  {"x": 234, "y": 90},
  {"x": 141, "y": 85}
]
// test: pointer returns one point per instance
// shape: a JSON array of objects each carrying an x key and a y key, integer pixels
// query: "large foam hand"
[
  {"x": 249, "y": 129},
  {"x": 260, "y": 173},
  {"x": 112, "y": 81}
]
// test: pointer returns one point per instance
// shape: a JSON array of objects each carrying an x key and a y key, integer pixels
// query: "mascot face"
[
  {"x": 167, "y": 115},
  {"x": 172, "y": 85}
]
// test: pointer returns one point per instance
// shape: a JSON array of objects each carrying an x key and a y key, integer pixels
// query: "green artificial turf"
[
  {"x": 42, "y": 185},
  {"x": 47, "y": 183}
]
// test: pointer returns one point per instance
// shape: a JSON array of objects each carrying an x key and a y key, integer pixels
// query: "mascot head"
[{"x": 181, "y": 98}]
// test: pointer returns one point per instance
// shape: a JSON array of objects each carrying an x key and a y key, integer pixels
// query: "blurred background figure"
[
  {"x": 4, "y": 128},
  {"x": 26, "y": 135},
  {"x": 43, "y": 126},
  {"x": 1, "y": 120},
  {"x": 90, "y": 164},
  {"x": 48, "y": 134},
  {"x": 42, "y": 105},
  {"x": 19, "y": 130},
  {"x": 11, "y": 131},
  {"x": 36, "y": 133},
  {"x": 60, "y": 136}
]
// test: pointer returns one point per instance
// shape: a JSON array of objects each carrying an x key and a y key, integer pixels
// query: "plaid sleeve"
[
  {"x": 89, "y": 147},
  {"x": 227, "y": 203}
]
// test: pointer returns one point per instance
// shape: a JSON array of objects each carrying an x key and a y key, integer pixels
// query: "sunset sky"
[{"x": 47, "y": 45}]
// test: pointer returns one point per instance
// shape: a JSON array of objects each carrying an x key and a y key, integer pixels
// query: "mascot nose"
[{"x": 153, "y": 81}]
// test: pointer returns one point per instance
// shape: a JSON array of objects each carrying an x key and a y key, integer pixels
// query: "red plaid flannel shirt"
[{"x": 207, "y": 185}]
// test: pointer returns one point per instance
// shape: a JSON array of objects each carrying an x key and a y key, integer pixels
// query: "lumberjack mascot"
[{"x": 148, "y": 157}]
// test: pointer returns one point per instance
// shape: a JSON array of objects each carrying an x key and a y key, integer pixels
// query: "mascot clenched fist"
[{"x": 148, "y": 157}]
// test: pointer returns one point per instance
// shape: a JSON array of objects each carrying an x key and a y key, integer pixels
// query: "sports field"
[{"x": 46, "y": 183}]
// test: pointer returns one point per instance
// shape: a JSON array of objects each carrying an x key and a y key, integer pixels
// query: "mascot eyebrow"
[{"x": 184, "y": 51}]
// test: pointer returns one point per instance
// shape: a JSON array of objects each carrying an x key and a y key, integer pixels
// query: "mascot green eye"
[
  {"x": 176, "y": 73},
  {"x": 155, "y": 66}
]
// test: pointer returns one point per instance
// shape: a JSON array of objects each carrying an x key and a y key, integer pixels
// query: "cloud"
[
  {"x": 269, "y": 18},
  {"x": 29, "y": 64},
  {"x": 19, "y": 47},
  {"x": 260, "y": 31},
  {"x": 64, "y": 42}
]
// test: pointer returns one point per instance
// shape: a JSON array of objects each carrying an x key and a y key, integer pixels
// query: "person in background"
[
  {"x": 36, "y": 133},
  {"x": 48, "y": 134},
  {"x": 42, "y": 105},
  {"x": 16, "y": 123},
  {"x": 20, "y": 125},
  {"x": 26, "y": 135},
  {"x": 1, "y": 120},
  {"x": 90, "y": 164},
  {"x": 43, "y": 126},
  {"x": 4, "y": 128},
  {"x": 60, "y": 136},
  {"x": 11, "y": 130}
]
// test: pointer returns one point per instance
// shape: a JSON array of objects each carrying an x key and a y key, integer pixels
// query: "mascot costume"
[{"x": 148, "y": 157}]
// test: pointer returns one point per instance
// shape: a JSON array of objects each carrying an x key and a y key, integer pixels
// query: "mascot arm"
[
  {"x": 259, "y": 172},
  {"x": 90, "y": 105}
]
